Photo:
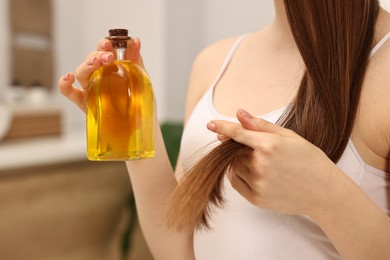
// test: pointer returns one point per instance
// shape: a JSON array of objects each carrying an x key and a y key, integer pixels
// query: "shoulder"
[
  {"x": 381, "y": 79},
  {"x": 215, "y": 53},
  {"x": 379, "y": 65},
  {"x": 377, "y": 75},
  {"x": 209, "y": 61},
  {"x": 380, "y": 61},
  {"x": 375, "y": 103},
  {"x": 205, "y": 69}
]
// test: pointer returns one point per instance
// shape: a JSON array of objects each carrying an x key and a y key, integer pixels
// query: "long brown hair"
[{"x": 334, "y": 38}]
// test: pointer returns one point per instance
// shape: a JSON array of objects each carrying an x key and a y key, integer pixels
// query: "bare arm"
[
  {"x": 309, "y": 184},
  {"x": 352, "y": 221},
  {"x": 150, "y": 195},
  {"x": 153, "y": 179}
]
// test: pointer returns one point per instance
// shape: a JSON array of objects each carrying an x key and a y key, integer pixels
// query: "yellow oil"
[{"x": 120, "y": 113}]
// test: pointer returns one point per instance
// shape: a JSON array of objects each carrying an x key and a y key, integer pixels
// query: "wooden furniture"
[
  {"x": 33, "y": 121},
  {"x": 31, "y": 31},
  {"x": 77, "y": 210}
]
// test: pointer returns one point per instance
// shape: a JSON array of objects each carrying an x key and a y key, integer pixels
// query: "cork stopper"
[
  {"x": 118, "y": 37},
  {"x": 118, "y": 32}
]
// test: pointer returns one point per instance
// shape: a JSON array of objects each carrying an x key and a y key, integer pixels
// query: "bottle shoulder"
[{"x": 119, "y": 67}]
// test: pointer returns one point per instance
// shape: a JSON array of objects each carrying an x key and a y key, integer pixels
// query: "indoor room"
[{"x": 54, "y": 202}]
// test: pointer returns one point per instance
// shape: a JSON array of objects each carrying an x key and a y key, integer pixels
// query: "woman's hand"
[
  {"x": 285, "y": 172},
  {"x": 101, "y": 57}
]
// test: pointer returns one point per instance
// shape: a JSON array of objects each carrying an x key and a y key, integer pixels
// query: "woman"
[{"x": 319, "y": 70}]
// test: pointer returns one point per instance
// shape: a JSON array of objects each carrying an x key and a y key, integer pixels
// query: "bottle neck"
[{"x": 120, "y": 54}]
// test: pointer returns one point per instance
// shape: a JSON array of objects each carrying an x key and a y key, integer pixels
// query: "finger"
[
  {"x": 134, "y": 52},
  {"x": 238, "y": 133},
  {"x": 104, "y": 45},
  {"x": 242, "y": 164},
  {"x": 93, "y": 62},
  {"x": 222, "y": 138},
  {"x": 73, "y": 93},
  {"x": 239, "y": 184},
  {"x": 243, "y": 172},
  {"x": 257, "y": 124}
]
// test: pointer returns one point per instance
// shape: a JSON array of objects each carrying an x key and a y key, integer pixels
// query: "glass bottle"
[{"x": 120, "y": 108}]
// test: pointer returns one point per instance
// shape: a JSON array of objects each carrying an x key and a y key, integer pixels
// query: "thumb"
[
  {"x": 257, "y": 124},
  {"x": 135, "y": 52}
]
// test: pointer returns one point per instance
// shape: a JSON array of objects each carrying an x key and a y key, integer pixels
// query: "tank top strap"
[
  {"x": 381, "y": 42},
  {"x": 237, "y": 43},
  {"x": 227, "y": 60}
]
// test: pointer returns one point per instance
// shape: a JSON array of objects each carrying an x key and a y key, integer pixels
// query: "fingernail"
[
  {"x": 106, "y": 57},
  {"x": 91, "y": 61},
  {"x": 211, "y": 126},
  {"x": 66, "y": 77},
  {"x": 244, "y": 113},
  {"x": 103, "y": 45},
  {"x": 222, "y": 138}
]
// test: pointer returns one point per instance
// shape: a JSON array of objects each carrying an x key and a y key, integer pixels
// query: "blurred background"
[{"x": 54, "y": 204}]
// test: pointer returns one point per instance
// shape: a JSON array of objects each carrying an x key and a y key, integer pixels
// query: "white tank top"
[{"x": 241, "y": 231}]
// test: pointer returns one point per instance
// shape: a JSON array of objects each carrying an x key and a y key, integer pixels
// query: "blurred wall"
[
  {"x": 4, "y": 50},
  {"x": 184, "y": 40},
  {"x": 385, "y": 4},
  {"x": 172, "y": 33},
  {"x": 81, "y": 24},
  {"x": 192, "y": 25}
]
